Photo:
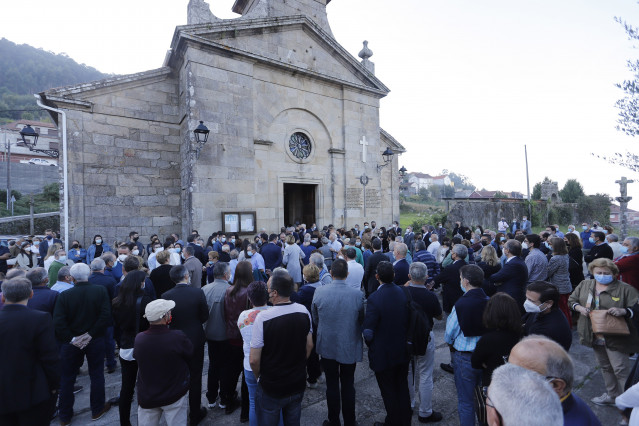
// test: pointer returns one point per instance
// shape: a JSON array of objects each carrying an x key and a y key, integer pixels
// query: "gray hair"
[
  {"x": 317, "y": 259},
  {"x": 460, "y": 250},
  {"x": 324, "y": 240},
  {"x": 613, "y": 238},
  {"x": 634, "y": 242},
  {"x": 307, "y": 237},
  {"x": 522, "y": 397},
  {"x": 98, "y": 264},
  {"x": 234, "y": 254},
  {"x": 37, "y": 276},
  {"x": 513, "y": 247},
  {"x": 189, "y": 250},
  {"x": 80, "y": 272},
  {"x": 280, "y": 272},
  {"x": 434, "y": 237},
  {"x": 64, "y": 272},
  {"x": 16, "y": 290},
  {"x": 418, "y": 272},
  {"x": 420, "y": 245},
  {"x": 401, "y": 248},
  {"x": 15, "y": 273},
  {"x": 108, "y": 257},
  {"x": 220, "y": 270},
  {"x": 399, "y": 239},
  {"x": 59, "y": 252}
]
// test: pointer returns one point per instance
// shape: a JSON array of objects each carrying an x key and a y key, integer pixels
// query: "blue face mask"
[
  {"x": 592, "y": 240},
  {"x": 584, "y": 227},
  {"x": 603, "y": 279},
  {"x": 547, "y": 245},
  {"x": 624, "y": 249},
  {"x": 462, "y": 287}
]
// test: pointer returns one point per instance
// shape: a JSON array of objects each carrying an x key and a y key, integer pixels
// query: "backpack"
[{"x": 419, "y": 327}]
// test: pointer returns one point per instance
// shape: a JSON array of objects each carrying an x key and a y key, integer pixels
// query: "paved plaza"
[{"x": 588, "y": 384}]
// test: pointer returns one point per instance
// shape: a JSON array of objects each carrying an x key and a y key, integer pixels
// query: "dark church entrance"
[{"x": 299, "y": 203}]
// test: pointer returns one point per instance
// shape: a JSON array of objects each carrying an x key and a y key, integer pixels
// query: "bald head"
[{"x": 546, "y": 357}]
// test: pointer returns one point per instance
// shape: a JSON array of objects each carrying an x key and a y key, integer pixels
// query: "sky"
[{"x": 471, "y": 81}]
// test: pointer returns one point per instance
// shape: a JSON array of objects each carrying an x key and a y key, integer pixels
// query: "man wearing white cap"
[{"x": 163, "y": 357}]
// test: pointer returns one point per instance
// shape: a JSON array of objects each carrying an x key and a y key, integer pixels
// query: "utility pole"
[
  {"x": 528, "y": 185},
  {"x": 8, "y": 145}
]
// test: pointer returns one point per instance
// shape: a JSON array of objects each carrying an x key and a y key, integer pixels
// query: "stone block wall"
[{"x": 124, "y": 162}]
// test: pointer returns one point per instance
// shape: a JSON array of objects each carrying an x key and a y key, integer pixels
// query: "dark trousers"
[
  {"x": 71, "y": 360},
  {"x": 313, "y": 368},
  {"x": 218, "y": 356},
  {"x": 231, "y": 373},
  {"x": 109, "y": 348},
  {"x": 393, "y": 385},
  {"x": 195, "y": 370},
  {"x": 36, "y": 415},
  {"x": 340, "y": 374},
  {"x": 129, "y": 377}
]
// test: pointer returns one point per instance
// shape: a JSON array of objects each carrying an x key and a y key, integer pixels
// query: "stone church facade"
[{"x": 293, "y": 120}]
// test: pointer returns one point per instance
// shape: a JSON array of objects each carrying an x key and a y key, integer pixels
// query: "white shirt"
[
  {"x": 355, "y": 274},
  {"x": 433, "y": 247},
  {"x": 630, "y": 399},
  {"x": 335, "y": 245}
]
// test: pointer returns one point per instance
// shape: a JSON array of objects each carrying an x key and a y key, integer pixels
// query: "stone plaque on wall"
[
  {"x": 373, "y": 198},
  {"x": 354, "y": 198}
]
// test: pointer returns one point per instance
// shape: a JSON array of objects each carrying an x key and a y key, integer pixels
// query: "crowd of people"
[{"x": 282, "y": 312}]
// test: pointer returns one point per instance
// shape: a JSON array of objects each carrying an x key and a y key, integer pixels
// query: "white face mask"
[
  {"x": 158, "y": 249},
  {"x": 524, "y": 246},
  {"x": 136, "y": 252},
  {"x": 122, "y": 258},
  {"x": 532, "y": 308}
]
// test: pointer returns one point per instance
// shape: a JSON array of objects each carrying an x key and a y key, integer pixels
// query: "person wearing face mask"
[
  {"x": 606, "y": 292},
  {"x": 59, "y": 262},
  {"x": 97, "y": 248},
  {"x": 600, "y": 249},
  {"x": 543, "y": 316},
  {"x": 628, "y": 263},
  {"x": 585, "y": 237},
  {"x": 257, "y": 262},
  {"x": 124, "y": 251},
  {"x": 44, "y": 245},
  {"x": 77, "y": 253},
  {"x": 134, "y": 238},
  {"x": 152, "y": 260}
]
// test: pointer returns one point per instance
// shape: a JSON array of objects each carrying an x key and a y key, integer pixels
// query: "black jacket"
[
  {"x": 126, "y": 321},
  {"x": 29, "y": 358},
  {"x": 597, "y": 252},
  {"x": 371, "y": 270},
  {"x": 449, "y": 279},
  {"x": 81, "y": 309},
  {"x": 161, "y": 279},
  {"x": 513, "y": 278},
  {"x": 190, "y": 312}
]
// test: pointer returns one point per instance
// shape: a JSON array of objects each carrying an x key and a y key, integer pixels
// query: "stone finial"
[
  {"x": 365, "y": 54},
  {"x": 199, "y": 12}
]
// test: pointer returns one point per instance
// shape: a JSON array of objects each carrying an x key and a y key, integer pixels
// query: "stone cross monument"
[{"x": 623, "y": 205}]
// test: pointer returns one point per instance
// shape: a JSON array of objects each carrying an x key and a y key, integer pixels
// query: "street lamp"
[
  {"x": 30, "y": 140},
  {"x": 388, "y": 157},
  {"x": 201, "y": 133}
]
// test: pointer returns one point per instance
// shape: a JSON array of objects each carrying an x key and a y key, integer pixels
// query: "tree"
[
  {"x": 571, "y": 191},
  {"x": 594, "y": 207},
  {"x": 460, "y": 181},
  {"x": 500, "y": 194},
  {"x": 629, "y": 105}
]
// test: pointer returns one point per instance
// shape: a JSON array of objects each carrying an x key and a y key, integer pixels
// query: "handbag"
[
  {"x": 603, "y": 323},
  {"x": 480, "y": 405}
]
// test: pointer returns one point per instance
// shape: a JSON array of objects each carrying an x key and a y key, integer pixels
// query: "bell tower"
[{"x": 315, "y": 10}]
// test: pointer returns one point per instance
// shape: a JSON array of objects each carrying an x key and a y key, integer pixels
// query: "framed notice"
[{"x": 238, "y": 222}]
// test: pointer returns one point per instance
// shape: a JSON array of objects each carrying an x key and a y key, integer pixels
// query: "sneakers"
[
  {"x": 311, "y": 385},
  {"x": 434, "y": 417},
  {"x": 221, "y": 405},
  {"x": 214, "y": 404},
  {"x": 604, "y": 399},
  {"x": 106, "y": 408}
]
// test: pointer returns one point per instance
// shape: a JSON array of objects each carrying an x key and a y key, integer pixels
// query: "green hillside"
[{"x": 25, "y": 70}]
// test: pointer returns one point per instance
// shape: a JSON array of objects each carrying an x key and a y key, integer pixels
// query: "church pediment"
[{"x": 294, "y": 42}]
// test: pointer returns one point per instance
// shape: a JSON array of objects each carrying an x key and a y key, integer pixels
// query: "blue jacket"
[
  {"x": 43, "y": 299},
  {"x": 401, "y": 272},
  {"x": 78, "y": 255},
  {"x": 577, "y": 412},
  {"x": 385, "y": 327},
  {"x": 105, "y": 281},
  {"x": 513, "y": 278},
  {"x": 91, "y": 251},
  {"x": 272, "y": 255}
]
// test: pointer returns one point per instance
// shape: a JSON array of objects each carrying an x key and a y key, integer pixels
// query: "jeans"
[
  {"x": 71, "y": 360},
  {"x": 393, "y": 385},
  {"x": 336, "y": 374},
  {"x": 466, "y": 378},
  {"x": 109, "y": 348},
  {"x": 422, "y": 378},
  {"x": 218, "y": 359},
  {"x": 251, "y": 384},
  {"x": 129, "y": 377},
  {"x": 269, "y": 408}
]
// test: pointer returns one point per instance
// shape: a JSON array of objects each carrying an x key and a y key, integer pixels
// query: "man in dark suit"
[
  {"x": 448, "y": 278},
  {"x": 385, "y": 334},
  {"x": 30, "y": 336},
  {"x": 190, "y": 312},
  {"x": 371, "y": 267},
  {"x": 409, "y": 239},
  {"x": 272, "y": 253},
  {"x": 395, "y": 228},
  {"x": 401, "y": 266},
  {"x": 198, "y": 251},
  {"x": 43, "y": 297},
  {"x": 600, "y": 249},
  {"x": 48, "y": 240},
  {"x": 513, "y": 276}
]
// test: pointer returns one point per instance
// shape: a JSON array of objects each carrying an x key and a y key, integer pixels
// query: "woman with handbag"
[
  {"x": 128, "y": 313},
  {"x": 604, "y": 324}
]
